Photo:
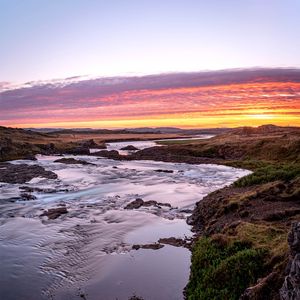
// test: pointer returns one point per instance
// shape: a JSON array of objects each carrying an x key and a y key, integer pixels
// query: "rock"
[
  {"x": 136, "y": 247},
  {"x": 149, "y": 203},
  {"x": 261, "y": 290},
  {"x": 54, "y": 213},
  {"x": 178, "y": 242},
  {"x": 80, "y": 150},
  {"x": 71, "y": 161},
  {"x": 134, "y": 297},
  {"x": 91, "y": 144},
  {"x": 27, "y": 197},
  {"x": 130, "y": 148},
  {"x": 137, "y": 203},
  {"x": 294, "y": 239},
  {"x": 186, "y": 211},
  {"x": 29, "y": 189},
  {"x": 291, "y": 286},
  {"x": 112, "y": 154},
  {"x": 164, "y": 171},
  {"x": 173, "y": 242},
  {"x": 30, "y": 157},
  {"x": 155, "y": 246},
  {"x": 22, "y": 173}
]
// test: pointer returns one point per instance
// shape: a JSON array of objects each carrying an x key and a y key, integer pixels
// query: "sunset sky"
[{"x": 136, "y": 63}]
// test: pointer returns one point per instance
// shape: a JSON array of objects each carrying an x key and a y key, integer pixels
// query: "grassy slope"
[{"x": 243, "y": 228}]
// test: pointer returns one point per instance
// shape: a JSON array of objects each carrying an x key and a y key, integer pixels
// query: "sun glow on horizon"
[{"x": 232, "y": 105}]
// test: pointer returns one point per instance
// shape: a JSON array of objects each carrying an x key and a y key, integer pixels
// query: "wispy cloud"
[{"x": 220, "y": 95}]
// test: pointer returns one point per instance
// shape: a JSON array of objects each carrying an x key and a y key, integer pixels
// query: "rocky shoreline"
[{"x": 22, "y": 173}]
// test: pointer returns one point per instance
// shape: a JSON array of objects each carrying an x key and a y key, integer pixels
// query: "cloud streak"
[{"x": 222, "y": 98}]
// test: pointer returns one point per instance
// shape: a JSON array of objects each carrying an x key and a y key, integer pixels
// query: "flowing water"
[{"x": 87, "y": 253}]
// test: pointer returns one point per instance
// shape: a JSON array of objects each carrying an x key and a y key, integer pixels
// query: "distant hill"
[
  {"x": 179, "y": 130},
  {"x": 166, "y": 130},
  {"x": 264, "y": 129},
  {"x": 77, "y": 130}
]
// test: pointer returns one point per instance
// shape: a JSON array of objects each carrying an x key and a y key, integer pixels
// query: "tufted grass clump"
[{"x": 223, "y": 269}]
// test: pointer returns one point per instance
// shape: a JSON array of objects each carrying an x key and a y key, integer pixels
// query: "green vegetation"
[
  {"x": 179, "y": 142},
  {"x": 247, "y": 164},
  {"x": 270, "y": 173},
  {"x": 264, "y": 237},
  {"x": 223, "y": 269}
]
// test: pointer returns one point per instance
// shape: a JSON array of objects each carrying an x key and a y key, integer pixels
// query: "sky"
[{"x": 49, "y": 45}]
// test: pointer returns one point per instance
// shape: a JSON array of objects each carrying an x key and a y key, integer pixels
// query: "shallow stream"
[{"x": 87, "y": 253}]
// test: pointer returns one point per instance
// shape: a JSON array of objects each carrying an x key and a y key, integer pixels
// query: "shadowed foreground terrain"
[{"x": 240, "y": 248}]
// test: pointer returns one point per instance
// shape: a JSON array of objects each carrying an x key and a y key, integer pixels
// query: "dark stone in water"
[
  {"x": 164, "y": 171},
  {"x": 30, "y": 157},
  {"x": 173, "y": 242},
  {"x": 135, "y": 298},
  {"x": 72, "y": 161},
  {"x": 80, "y": 150},
  {"x": 137, "y": 203},
  {"x": 112, "y": 154},
  {"x": 186, "y": 211},
  {"x": 27, "y": 197},
  {"x": 29, "y": 189},
  {"x": 155, "y": 246},
  {"x": 54, "y": 213},
  {"x": 130, "y": 148}
]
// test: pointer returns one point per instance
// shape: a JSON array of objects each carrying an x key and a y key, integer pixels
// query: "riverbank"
[
  {"x": 241, "y": 251},
  {"x": 241, "y": 248}
]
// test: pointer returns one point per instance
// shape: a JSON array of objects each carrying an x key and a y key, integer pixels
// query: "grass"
[
  {"x": 222, "y": 269},
  {"x": 249, "y": 164},
  {"x": 179, "y": 142},
  {"x": 269, "y": 173},
  {"x": 264, "y": 237}
]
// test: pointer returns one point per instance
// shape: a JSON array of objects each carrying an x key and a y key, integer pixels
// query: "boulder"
[
  {"x": 130, "y": 148},
  {"x": 72, "y": 161},
  {"x": 137, "y": 203},
  {"x": 54, "y": 213},
  {"x": 155, "y": 246},
  {"x": 112, "y": 154},
  {"x": 79, "y": 150},
  {"x": 27, "y": 197},
  {"x": 164, "y": 171},
  {"x": 291, "y": 286}
]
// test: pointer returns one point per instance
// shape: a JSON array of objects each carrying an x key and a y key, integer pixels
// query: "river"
[{"x": 87, "y": 253}]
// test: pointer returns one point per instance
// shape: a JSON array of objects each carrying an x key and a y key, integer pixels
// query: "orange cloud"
[{"x": 209, "y": 105}]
